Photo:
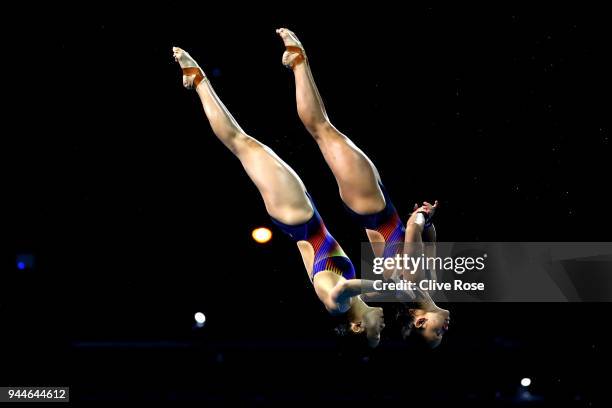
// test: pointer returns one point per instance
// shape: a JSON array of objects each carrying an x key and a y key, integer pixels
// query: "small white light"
[
  {"x": 200, "y": 318},
  {"x": 526, "y": 382}
]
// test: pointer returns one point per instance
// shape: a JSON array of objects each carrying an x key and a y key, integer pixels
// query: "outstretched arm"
[{"x": 370, "y": 290}]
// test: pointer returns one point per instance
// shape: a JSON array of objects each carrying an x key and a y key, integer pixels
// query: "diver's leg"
[
  {"x": 357, "y": 177},
  {"x": 280, "y": 187}
]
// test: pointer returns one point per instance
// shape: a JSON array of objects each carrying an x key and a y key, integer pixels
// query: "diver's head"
[
  {"x": 426, "y": 326},
  {"x": 371, "y": 325}
]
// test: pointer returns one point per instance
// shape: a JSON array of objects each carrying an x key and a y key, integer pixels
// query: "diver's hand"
[{"x": 427, "y": 208}]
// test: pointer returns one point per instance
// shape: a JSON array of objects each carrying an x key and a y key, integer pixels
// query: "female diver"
[
  {"x": 366, "y": 199},
  {"x": 292, "y": 210}
]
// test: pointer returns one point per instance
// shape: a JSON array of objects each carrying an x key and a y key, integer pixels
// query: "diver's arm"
[
  {"x": 399, "y": 295},
  {"x": 346, "y": 289},
  {"x": 368, "y": 290},
  {"x": 429, "y": 247}
]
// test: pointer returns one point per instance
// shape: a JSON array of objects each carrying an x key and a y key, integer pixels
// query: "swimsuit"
[
  {"x": 386, "y": 222},
  {"x": 328, "y": 255}
]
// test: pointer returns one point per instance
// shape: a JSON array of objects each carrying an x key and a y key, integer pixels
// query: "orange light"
[{"x": 261, "y": 235}]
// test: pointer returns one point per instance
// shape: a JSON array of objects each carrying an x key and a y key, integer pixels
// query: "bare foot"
[
  {"x": 295, "y": 51},
  {"x": 192, "y": 73}
]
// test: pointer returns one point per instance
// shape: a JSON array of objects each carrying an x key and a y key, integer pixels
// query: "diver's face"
[
  {"x": 374, "y": 323},
  {"x": 434, "y": 326}
]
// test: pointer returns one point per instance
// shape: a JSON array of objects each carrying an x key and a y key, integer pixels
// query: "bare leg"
[
  {"x": 280, "y": 187},
  {"x": 356, "y": 175},
  {"x": 282, "y": 190}
]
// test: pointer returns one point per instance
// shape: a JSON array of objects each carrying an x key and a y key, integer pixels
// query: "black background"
[{"x": 138, "y": 217}]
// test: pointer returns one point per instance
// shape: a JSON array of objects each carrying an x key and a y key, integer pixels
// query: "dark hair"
[
  {"x": 397, "y": 320},
  {"x": 399, "y": 325},
  {"x": 342, "y": 327},
  {"x": 351, "y": 343}
]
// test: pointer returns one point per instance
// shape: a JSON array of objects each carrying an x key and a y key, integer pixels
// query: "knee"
[
  {"x": 241, "y": 143},
  {"x": 320, "y": 130}
]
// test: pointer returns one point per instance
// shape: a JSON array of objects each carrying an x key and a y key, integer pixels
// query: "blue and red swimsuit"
[
  {"x": 328, "y": 255},
  {"x": 386, "y": 222}
]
